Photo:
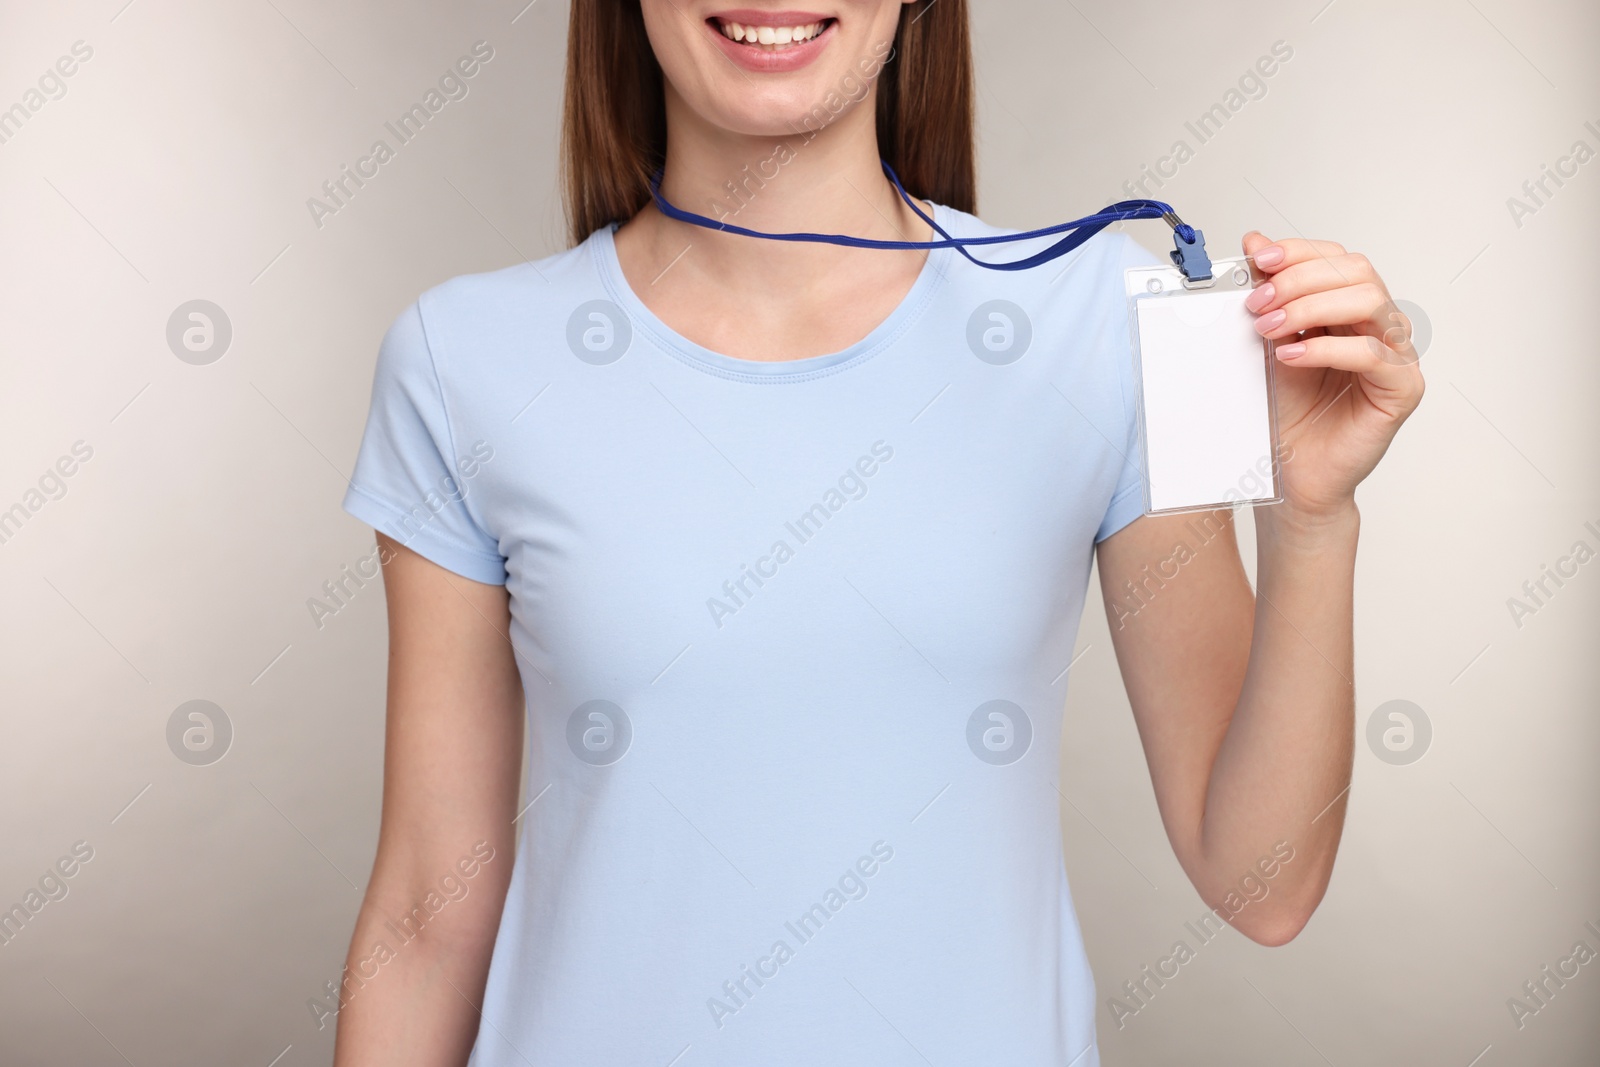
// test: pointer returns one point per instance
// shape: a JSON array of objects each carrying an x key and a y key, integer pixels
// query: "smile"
[
  {"x": 771, "y": 42},
  {"x": 770, "y": 38}
]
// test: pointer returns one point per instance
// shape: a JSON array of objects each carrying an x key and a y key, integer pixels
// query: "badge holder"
[{"x": 1207, "y": 409}]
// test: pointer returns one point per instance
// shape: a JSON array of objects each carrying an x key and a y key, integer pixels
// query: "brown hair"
[{"x": 614, "y": 127}]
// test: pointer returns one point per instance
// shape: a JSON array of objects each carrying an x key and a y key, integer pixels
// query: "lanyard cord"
[{"x": 1189, "y": 255}]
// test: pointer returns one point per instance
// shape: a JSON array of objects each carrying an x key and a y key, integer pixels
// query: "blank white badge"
[{"x": 1205, "y": 390}]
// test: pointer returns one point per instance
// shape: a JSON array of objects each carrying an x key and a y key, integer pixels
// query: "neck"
[{"x": 823, "y": 181}]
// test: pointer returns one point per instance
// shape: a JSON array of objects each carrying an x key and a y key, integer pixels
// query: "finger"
[
  {"x": 1349, "y": 305},
  {"x": 1254, "y": 241},
  {"x": 1311, "y": 276},
  {"x": 1276, "y": 256},
  {"x": 1362, "y": 355},
  {"x": 1395, "y": 330}
]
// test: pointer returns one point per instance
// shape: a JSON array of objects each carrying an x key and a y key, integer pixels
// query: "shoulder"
[
  {"x": 1086, "y": 281},
  {"x": 486, "y": 297},
  {"x": 476, "y": 321},
  {"x": 1096, "y": 265}
]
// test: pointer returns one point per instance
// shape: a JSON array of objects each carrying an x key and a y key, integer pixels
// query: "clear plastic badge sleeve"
[{"x": 1208, "y": 426}]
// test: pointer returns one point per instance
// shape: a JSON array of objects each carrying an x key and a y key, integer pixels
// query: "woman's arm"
[
  {"x": 1245, "y": 704},
  {"x": 452, "y": 760}
]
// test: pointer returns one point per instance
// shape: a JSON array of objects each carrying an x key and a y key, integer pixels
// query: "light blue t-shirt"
[{"x": 794, "y": 638}]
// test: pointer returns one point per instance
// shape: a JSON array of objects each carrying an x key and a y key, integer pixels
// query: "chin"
[{"x": 793, "y": 115}]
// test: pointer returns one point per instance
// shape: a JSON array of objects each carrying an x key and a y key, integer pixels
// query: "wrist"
[{"x": 1288, "y": 525}]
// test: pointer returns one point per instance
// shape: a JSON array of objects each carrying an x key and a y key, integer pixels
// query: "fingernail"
[
  {"x": 1269, "y": 256},
  {"x": 1268, "y": 323},
  {"x": 1261, "y": 297},
  {"x": 1294, "y": 351}
]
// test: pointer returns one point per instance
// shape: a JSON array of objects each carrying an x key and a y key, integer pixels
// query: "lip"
[
  {"x": 761, "y": 61},
  {"x": 754, "y": 16}
]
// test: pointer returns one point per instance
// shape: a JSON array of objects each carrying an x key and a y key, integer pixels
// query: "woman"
[{"x": 783, "y": 575}]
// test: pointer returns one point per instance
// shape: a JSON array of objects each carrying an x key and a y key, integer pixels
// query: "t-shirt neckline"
[{"x": 718, "y": 363}]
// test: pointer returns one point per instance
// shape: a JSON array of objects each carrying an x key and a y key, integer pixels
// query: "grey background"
[{"x": 178, "y": 563}]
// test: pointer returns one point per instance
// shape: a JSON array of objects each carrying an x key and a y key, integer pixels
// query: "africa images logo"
[
  {"x": 850, "y": 885},
  {"x": 851, "y": 485},
  {"x": 452, "y": 85}
]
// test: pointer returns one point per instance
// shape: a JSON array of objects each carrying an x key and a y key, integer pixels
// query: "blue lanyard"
[{"x": 1189, "y": 253}]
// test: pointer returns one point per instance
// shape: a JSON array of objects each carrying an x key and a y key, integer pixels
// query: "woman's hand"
[{"x": 1347, "y": 373}]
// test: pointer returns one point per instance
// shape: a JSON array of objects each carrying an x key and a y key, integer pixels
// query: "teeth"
[{"x": 769, "y": 36}]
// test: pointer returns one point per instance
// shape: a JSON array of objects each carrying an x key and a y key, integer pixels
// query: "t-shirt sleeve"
[
  {"x": 1127, "y": 500},
  {"x": 410, "y": 482}
]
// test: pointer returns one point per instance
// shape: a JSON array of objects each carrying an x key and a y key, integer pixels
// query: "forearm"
[
  {"x": 1283, "y": 768},
  {"x": 414, "y": 976}
]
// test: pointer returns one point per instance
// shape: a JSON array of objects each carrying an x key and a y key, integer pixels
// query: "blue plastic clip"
[{"x": 1189, "y": 250}]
